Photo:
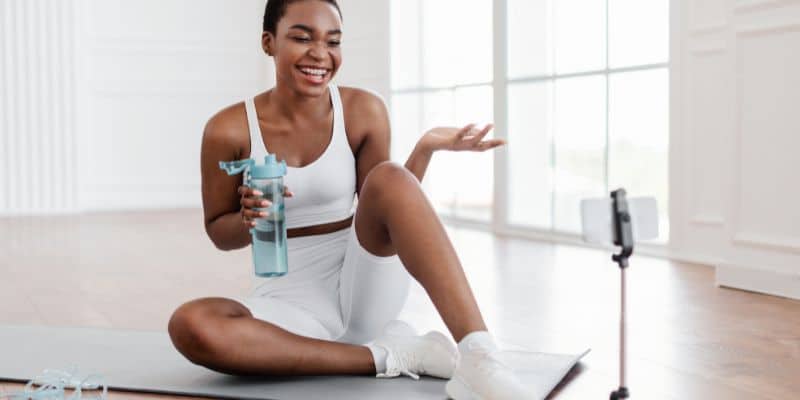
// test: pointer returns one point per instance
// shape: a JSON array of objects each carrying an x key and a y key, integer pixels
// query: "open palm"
[{"x": 468, "y": 138}]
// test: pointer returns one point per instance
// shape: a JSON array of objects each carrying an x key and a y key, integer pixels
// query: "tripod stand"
[{"x": 624, "y": 238}]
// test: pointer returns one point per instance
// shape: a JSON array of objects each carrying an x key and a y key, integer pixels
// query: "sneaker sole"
[{"x": 458, "y": 390}]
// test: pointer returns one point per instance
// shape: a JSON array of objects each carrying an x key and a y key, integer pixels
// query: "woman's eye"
[
  {"x": 302, "y": 39},
  {"x": 334, "y": 43}
]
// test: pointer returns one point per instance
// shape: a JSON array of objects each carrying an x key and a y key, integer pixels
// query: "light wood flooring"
[{"x": 687, "y": 338}]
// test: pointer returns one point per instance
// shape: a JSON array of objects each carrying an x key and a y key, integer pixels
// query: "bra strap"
[
  {"x": 339, "y": 138},
  {"x": 257, "y": 148}
]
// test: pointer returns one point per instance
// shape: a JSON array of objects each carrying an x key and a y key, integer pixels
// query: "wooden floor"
[{"x": 688, "y": 338}]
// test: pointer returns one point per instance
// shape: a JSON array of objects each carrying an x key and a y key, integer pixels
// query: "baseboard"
[{"x": 776, "y": 283}]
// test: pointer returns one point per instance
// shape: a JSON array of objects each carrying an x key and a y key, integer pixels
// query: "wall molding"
[
  {"x": 767, "y": 241},
  {"x": 770, "y": 28},
  {"x": 38, "y": 74},
  {"x": 168, "y": 46},
  {"x": 106, "y": 89},
  {"x": 709, "y": 29},
  {"x": 128, "y": 186},
  {"x": 707, "y": 220},
  {"x": 769, "y": 281},
  {"x": 748, "y": 6},
  {"x": 710, "y": 48},
  {"x": 764, "y": 241}
]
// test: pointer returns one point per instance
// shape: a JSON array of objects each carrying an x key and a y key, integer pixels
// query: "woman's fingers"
[
  {"x": 254, "y": 202},
  {"x": 480, "y": 135},
  {"x": 249, "y": 216},
  {"x": 490, "y": 144},
  {"x": 463, "y": 132},
  {"x": 250, "y": 202},
  {"x": 248, "y": 191}
]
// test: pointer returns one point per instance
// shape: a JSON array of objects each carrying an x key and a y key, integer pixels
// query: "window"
[
  {"x": 587, "y": 106},
  {"x": 442, "y": 75},
  {"x": 587, "y": 94}
]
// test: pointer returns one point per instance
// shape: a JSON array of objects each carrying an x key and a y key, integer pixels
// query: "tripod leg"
[{"x": 622, "y": 392}]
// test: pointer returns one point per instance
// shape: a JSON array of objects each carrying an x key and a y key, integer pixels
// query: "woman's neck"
[{"x": 293, "y": 107}]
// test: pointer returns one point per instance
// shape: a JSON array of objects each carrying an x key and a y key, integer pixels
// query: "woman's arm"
[
  {"x": 372, "y": 128},
  {"x": 419, "y": 159},
  {"x": 221, "y": 201}
]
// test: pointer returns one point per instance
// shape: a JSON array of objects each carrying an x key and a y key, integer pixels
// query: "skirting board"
[{"x": 758, "y": 280}]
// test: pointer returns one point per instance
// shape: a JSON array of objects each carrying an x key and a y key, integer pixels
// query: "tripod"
[{"x": 623, "y": 237}]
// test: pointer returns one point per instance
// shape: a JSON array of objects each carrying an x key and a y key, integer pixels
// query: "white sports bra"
[{"x": 324, "y": 191}]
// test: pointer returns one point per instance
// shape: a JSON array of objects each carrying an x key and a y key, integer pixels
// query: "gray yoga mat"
[{"x": 147, "y": 362}]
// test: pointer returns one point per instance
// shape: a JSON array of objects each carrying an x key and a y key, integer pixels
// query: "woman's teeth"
[{"x": 313, "y": 71}]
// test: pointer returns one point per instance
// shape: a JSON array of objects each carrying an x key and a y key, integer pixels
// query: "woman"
[{"x": 349, "y": 272}]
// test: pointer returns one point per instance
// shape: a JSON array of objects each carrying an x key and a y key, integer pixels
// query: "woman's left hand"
[{"x": 468, "y": 138}]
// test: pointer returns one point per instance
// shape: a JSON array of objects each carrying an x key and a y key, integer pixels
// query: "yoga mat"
[{"x": 147, "y": 362}]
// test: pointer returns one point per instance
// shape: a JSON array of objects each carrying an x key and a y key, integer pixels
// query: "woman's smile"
[{"x": 313, "y": 75}]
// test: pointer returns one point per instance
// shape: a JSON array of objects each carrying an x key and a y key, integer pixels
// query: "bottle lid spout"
[{"x": 236, "y": 167}]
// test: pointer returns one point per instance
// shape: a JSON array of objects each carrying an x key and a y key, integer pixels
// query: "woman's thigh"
[{"x": 295, "y": 318}]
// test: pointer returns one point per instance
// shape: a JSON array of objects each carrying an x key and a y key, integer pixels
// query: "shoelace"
[
  {"x": 51, "y": 385},
  {"x": 400, "y": 365}
]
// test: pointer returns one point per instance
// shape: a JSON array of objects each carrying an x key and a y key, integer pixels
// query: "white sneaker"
[
  {"x": 431, "y": 354},
  {"x": 480, "y": 375}
]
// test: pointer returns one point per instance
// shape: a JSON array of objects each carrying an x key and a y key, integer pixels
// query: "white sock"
[
  {"x": 477, "y": 339},
  {"x": 379, "y": 355}
]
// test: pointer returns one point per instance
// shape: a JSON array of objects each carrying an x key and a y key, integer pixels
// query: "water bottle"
[{"x": 270, "y": 258}]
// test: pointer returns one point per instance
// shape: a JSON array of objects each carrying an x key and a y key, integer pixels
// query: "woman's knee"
[
  {"x": 389, "y": 176},
  {"x": 195, "y": 326}
]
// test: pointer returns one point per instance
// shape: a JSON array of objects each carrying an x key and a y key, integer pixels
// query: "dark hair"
[{"x": 276, "y": 9}]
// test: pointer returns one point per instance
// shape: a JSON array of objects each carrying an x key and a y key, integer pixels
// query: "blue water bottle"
[{"x": 270, "y": 258}]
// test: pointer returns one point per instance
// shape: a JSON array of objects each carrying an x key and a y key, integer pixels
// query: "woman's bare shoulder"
[
  {"x": 361, "y": 99},
  {"x": 365, "y": 113},
  {"x": 228, "y": 127}
]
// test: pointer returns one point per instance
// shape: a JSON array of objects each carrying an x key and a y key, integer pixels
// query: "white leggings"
[{"x": 335, "y": 290}]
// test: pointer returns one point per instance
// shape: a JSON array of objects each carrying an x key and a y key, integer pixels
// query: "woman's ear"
[{"x": 267, "y": 42}]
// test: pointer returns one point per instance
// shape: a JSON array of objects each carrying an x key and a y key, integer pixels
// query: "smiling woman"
[
  {"x": 349, "y": 265},
  {"x": 302, "y": 38}
]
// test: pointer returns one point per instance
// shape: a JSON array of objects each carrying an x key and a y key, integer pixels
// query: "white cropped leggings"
[{"x": 335, "y": 290}]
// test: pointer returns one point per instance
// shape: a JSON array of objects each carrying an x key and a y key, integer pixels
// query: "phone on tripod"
[{"x": 597, "y": 219}]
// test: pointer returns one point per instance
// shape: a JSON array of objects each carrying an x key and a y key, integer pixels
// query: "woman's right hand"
[{"x": 252, "y": 199}]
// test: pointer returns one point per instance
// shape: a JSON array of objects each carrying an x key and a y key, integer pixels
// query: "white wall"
[
  {"x": 365, "y": 46},
  {"x": 734, "y": 141},
  {"x": 38, "y": 161},
  {"x": 104, "y": 101}
]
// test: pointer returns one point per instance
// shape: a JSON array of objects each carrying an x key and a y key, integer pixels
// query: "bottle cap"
[{"x": 270, "y": 169}]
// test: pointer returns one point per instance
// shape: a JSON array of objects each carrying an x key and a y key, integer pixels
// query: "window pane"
[
  {"x": 473, "y": 172},
  {"x": 405, "y": 32},
  {"x": 639, "y": 136},
  {"x": 439, "y": 110},
  {"x": 406, "y": 124},
  {"x": 580, "y": 115},
  {"x": 530, "y": 172},
  {"x": 580, "y": 36},
  {"x": 529, "y": 38},
  {"x": 460, "y": 183},
  {"x": 457, "y": 42},
  {"x": 638, "y": 32}
]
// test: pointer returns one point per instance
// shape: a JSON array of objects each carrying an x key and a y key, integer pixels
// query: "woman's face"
[{"x": 305, "y": 46}]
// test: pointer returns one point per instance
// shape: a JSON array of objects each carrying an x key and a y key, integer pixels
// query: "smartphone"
[{"x": 598, "y": 223}]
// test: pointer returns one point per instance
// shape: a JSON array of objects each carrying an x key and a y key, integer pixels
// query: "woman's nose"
[{"x": 316, "y": 52}]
